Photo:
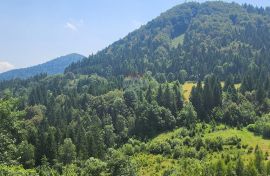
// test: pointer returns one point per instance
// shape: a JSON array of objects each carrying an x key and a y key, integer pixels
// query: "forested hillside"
[
  {"x": 192, "y": 38},
  {"x": 129, "y": 110},
  {"x": 55, "y": 66}
]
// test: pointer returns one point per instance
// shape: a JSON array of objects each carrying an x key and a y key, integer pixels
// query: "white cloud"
[
  {"x": 71, "y": 26},
  {"x": 5, "y": 66},
  {"x": 74, "y": 25}
]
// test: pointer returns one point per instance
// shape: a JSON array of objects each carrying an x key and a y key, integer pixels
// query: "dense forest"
[{"x": 122, "y": 111}]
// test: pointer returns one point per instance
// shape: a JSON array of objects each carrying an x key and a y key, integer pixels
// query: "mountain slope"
[
  {"x": 111, "y": 123},
  {"x": 213, "y": 37},
  {"x": 52, "y": 67}
]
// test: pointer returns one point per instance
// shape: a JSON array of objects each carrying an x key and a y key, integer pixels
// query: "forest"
[{"x": 125, "y": 110}]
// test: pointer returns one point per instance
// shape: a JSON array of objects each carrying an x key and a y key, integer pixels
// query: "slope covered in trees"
[
  {"x": 103, "y": 115},
  {"x": 55, "y": 66},
  {"x": 192, "y": 38}
]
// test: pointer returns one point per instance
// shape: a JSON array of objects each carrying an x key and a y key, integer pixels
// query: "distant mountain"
[{"x": 55, "y": 66}]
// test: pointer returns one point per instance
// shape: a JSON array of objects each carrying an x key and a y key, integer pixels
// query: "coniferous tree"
[
  {"x": 168, "y": 98},
  {"x": 220, "y": 168},
  {"x": 239, "y": 170},
  {"x": 149, "y": 95},
  {"x": 259, "y": 160},
  {"x": 197, "y": 100},
  {"x": 130, "y": 98},
  {"x": 160, "y": 96},
  {"x": 178, "y": 96},
  {"x": 251, "y": 170}
]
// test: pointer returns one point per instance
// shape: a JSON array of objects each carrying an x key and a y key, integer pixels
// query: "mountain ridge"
[{"x": 51, "y": 67}]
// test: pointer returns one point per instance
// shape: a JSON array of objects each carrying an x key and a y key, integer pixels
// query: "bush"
[
  {"x": 183, "y": 133},
  {"x": 187, "y": 141},
  {"x": 93, "y": 167},
  {"x": 128, "y": 149},
  {"x": 15, "y": 171},
  {"x": 266, "y": 131},
  {"x": 251, "y": 128},
  {"x": 177, "y": 152},
  {"x": 159, "y": 148},
  {"x": 234, "y": 140},
  {"x": 198, "y": 143},
  {"x": 190, "y": 153},
  {"x": 214, "y": 144},
  {"x": 202, "y": 153},
  {"x": 250, "y": 149}
]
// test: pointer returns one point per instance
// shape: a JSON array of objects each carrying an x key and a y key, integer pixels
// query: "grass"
[
  {"x": 247, "y": 138},
  {"x": 155, "y": 165},
  {"x": 152, "y": 165},
  {"x": 187, "y": 87},
  {"x": 178, "y": 40}
]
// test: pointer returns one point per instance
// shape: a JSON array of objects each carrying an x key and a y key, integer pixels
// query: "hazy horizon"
[{"x": 35, "y": 32}]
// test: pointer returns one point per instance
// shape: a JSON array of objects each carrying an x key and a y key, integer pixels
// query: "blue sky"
[{"x": 35, "y": 31}]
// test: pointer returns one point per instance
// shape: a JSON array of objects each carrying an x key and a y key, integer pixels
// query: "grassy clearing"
[
  {"x": 155, "y": 164},
  {"x": 178, "y": 40},
  {"x": 247, "y": 138},
  {"x": 187, "y": 87}
]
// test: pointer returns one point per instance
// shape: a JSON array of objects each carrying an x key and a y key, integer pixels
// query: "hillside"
[
  {"x": 162, "y": 153},
  {"x": 186, "y": 94},
  {"x": 55, "y": 66},
  {"x": 212, "y": 37}
]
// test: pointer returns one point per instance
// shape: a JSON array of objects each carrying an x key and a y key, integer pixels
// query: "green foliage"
[
  {"x": 220, "y": 168},
  {"x": 261, "y": 126},
  {"x": 10, "y": 119},
  {"x": 187, "y": 116},
  {"x": 239, "y": 169},
  {"x": 130, "y": 98},
  {"x": 67, "y": 151},
  {"x": 93, "y": 167},
  {"x": 26, "y": 154},
  {"x": 15, "y": 171},
  {"x": 119, "y": 164},
  {"x": 105, "y": 115}
]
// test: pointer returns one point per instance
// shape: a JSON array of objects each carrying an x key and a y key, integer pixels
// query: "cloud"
[
  {"x": 74, "y": 25},
  {"x": 71, "y": 26},
  {"x": 5, "y": 66}
]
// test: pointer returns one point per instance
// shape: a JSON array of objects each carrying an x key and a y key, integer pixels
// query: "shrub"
[
  {"x": 266, "y": 131},
  {"x": 234, "y": 140},
  {"x": 128, "y": 149},
  {"x": 159, "y": 148},
  {"x": 250, "y": 149},
  {"x": 214, "y": 144}
]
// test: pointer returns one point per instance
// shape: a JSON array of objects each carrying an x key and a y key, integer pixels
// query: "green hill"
[{"x": 212, "y": 37}]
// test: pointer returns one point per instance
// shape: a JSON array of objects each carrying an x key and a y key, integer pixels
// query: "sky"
[{"x": 35, "y": 31}]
